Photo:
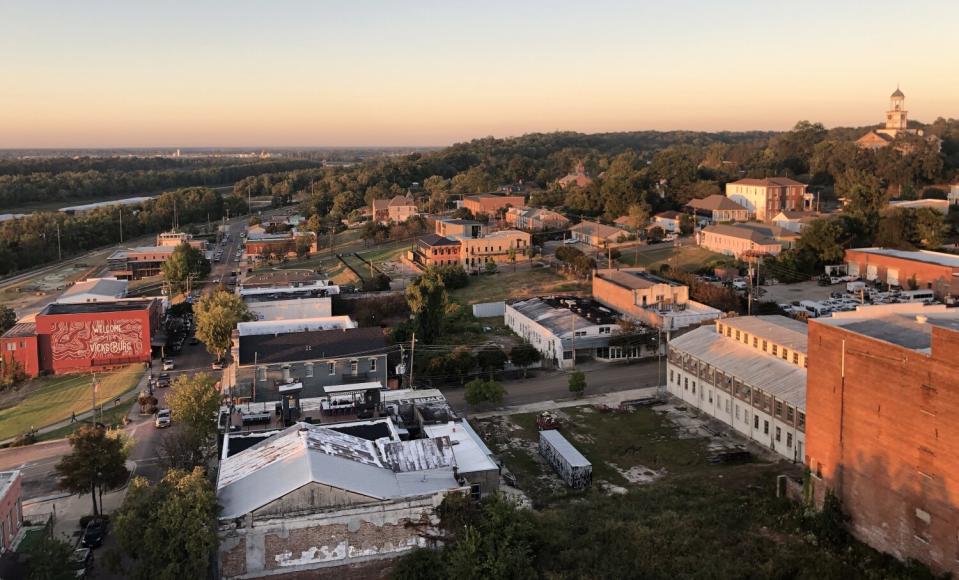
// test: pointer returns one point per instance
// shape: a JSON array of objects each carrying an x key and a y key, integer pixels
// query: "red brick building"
[
  {"x": 490, "y": 203},
  {"x": 84, "y": 337},
  {"x": 935, "y": 271},
  {"x": 882, "y": 401},
  {"x": 11, "y": 508}
]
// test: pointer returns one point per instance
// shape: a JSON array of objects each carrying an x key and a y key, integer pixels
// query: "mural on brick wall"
[{"x": 97, "y": 339}]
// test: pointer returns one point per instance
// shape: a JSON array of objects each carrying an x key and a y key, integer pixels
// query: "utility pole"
[
  {"x": 412, "y": 355},
  {"x": 93, "y": 386}
]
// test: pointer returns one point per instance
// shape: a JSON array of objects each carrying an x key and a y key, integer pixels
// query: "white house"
[
  {"x": 558, "y": 327},
  {"x": 668, "y": 221},
  {"x": 748, "y": 372}
]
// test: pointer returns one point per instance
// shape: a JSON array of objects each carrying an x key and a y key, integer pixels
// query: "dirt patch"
[{"x": 639, "y": 474}]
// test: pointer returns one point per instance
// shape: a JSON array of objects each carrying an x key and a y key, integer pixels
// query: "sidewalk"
[
  {"x": 611, "y": 399},
  {"x": 67, "y": 509}
]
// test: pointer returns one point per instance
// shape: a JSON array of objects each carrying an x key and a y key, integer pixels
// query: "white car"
[
  {"x": 168, "y": 365},
  {"x": 163, "y": 419},
  {"x": 217, "y": 366},
  {"x": 569, "y": 241}
]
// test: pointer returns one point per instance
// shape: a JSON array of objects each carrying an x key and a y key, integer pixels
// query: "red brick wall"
[
  {"x": 25, "y": 353},
  {"x": 940, "y": 278},
  {"x": 489, "y": 205},
  {"x": 10, "y": 514},
  {"x": 80, "y": 342},
  {"x": 884, "y": 439},
  {"x": 280, "y": 247}
]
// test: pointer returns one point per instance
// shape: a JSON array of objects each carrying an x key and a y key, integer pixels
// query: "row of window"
[
  {"x": 309, "y": 372},
  {"x": 755, "y": 397},
  {"x": 767, "y": 347},
  {"x": 765, "y": 422}
]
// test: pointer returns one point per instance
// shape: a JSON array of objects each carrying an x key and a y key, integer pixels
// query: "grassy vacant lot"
[
  {"x": 47, "y": 400},
  {"x": 659, "y": 509},
  {"x": 685, "y": 258},
  {"x": 509, "y": 284}
]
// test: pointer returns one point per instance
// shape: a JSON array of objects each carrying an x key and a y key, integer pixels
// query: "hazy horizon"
[{"x": 108, "y": 74}]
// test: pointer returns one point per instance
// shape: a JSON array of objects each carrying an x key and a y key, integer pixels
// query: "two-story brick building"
[
  {"x": 84, "y": 337},
  {"x": 649, "y": 299},
  {"x": 766, "y": 197}
]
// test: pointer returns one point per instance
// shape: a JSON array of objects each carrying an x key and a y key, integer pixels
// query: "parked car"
[
  {"x": 163, "y": 380},
  {"x": 569, "y": 241},
  {"x": 162, "y": 419},
  {"x": 94, "y": 533},
  {"x": 168, "y": 365},
  {"x": 217, "y": 366},
  {"x": 81, "y": 561}
]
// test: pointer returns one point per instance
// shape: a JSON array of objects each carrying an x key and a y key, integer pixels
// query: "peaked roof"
[
  {"x": 768, "y": 181},
  {"x": 304, "y": 454},
  {"x": 758, "y": 233},
  {"x": 669, "y": 215},
  {"x": 596, "y": 229},
  {"x": 713, "y": 203},
  {"x": 401, "y": 201}
]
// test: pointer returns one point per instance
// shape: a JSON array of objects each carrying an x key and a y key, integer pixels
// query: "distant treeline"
[
  {"x": 32, "y": 241},
  {"x": 25, "y": 181}
]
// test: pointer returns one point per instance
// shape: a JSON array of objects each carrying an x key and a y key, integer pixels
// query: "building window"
[
  {"x": 261, "y": 373},
  {"x": 710, "y": 396},
  {"x": 755, "y": 342},
  {"x": 354, "y": 366},
  {"x": 11, "y": 346},
  {"x": 372, "y": 365},
  {"x": 686, "y": 383},
  {"x": 779, "y": 434},
  {"x": 737, "y": 411},
  {"x": 789, "y": 440},
  {"x": 694, "y": 387},
  {"x": 795, "y": 358},
  {"x": 765, "y": 427},
  {"x": 331, "y": 367},
  {"x": 737, "y": 335},
  {"x": 764, "y": 346},
  {"x": 789, "y": 414},
  {"x": 779, "y": 409},
  {"x": 785, "y": 354},
  {"x": 308, "y": 370},
  {"x": 775, "y": 348},
  {"x": 756, "y": 421},
  {"x": 801, "y": 423},
  {"x": 670, "y": 375}
]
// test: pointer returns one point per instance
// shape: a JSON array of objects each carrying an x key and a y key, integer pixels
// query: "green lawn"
[
  {"x": 50, "y": 399},
  {"x": 508, "y": 284},
  {"x": 385, "y": 252},
  {"x": 112, "y": 417},
  {"x": 685, "y": 258}
]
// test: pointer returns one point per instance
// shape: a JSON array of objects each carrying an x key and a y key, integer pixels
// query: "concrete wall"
[
  {"x": 325, "y": 539},
  {"x": 882, "y": 435}
]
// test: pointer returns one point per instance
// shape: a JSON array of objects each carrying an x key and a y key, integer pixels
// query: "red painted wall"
[
  {"x": 882, "y": 433},
  {"x": 80, "y": 342},
  {"x": 25, "y": 353}
]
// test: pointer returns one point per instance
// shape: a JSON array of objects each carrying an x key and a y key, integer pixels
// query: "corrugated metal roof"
[
  {"x": 772, "y": 375},
  {"x": 304, "y": 454},
  {"x": 21, "y": 330},
  {"x": 564, "y": 448},
  {"x": 782, "y": 330},
  {"x": 471, "y": 453}
]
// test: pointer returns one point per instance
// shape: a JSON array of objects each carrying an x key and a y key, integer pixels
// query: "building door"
[
  {"x": 872, "y": 272},
  {"x": 852, "y": 268},
  {"x": 892, "y": 276}
]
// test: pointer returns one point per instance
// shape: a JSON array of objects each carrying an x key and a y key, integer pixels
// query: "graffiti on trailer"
[{"x": 96, "y": 339}]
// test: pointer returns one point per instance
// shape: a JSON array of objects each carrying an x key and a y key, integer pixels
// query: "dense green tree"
[
  {"x": 824, "y": 240},
  {"x": 167, "y": 531},
  {"x": 217, "y": 314},
  {"x": 7, "y": 318},
  {"x": 490, "y": 359},
  {"x": 577, "y": 383},
  {"x": 50, "y": 558},
  {"x": 186, "y": 263},
  {"x": 523, "y": 354},
  {"x": 96, "y": 462},
  {"x": 427, "y": 300},
  {"x": 479, "y": 391}
]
